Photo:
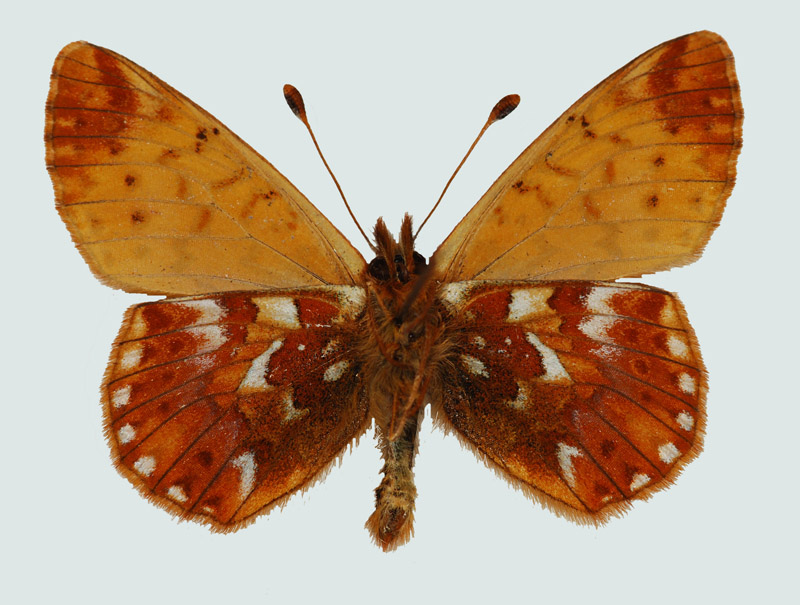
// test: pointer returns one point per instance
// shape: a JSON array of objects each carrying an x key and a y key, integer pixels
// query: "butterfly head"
[
  {"x": 396, "y": 263},
  {"x": 400, "y": 279}
]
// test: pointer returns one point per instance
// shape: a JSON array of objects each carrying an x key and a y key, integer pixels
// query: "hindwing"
[
  {"x": 588, "y": 394},
  {"x": 215, "y": 405}
]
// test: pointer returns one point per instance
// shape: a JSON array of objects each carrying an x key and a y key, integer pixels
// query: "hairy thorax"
[{"x": 401, "y": 356}]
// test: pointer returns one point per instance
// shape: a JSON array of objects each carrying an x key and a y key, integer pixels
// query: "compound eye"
[
  {"x": 419, "y": 262},
  {"x": 379, "y": 269}
]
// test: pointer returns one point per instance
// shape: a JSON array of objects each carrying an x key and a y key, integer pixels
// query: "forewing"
[
  {"x": 585, "y": 394},
  {"x": 160, "y": 197},
  {"x": 632, "y": 179},
  {"x": 218, "y": 408}
]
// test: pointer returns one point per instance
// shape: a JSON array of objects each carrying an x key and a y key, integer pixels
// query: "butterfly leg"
[{"x": 391, "y": 525}]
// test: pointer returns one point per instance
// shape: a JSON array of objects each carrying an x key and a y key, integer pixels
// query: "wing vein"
[
  {"x": 213, "y": 203},
  {"x": 183, "y": 454}
]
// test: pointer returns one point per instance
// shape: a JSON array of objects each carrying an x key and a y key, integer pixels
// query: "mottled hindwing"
[
  {"x": 585, "y": 394},
  {"x": 161, "y": 198},
  {"x": 631, "y": 179},
  {"x": 216, "y": 406}
]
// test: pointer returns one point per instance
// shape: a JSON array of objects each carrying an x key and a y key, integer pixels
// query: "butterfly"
[{"x": 277, "y": 345}]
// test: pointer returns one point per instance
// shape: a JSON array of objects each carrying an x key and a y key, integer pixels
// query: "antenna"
[
  {"x": 295, "y": 102},
  {"x": 501, "y": 109}
]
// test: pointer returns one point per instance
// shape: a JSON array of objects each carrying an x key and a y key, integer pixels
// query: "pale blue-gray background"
[{"x": 396, "y": 94}]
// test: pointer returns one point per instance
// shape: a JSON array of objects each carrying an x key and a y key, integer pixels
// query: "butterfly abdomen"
[
  {"x": 403, "y": 369},
  {"x": 391, "y": 524}
]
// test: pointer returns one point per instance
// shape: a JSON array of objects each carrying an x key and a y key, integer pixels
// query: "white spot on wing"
[
  {"x": 145, "y": 466},
  {"x": 677, "y": 347},
  {"x": 686, "y": 383},
  {"x": 668, "y": 315},
  {"x": 277, "y": 310},
  {"x": 352, "y": 299},
  {"x": 121, "y": 397},
  {"x": 125, "y": 434},
  {"x": 246, "y": 463},
  {"x": 668, "y": 452},
  {"x": 210, "y": 310},
  {"x": 138, "y": 325},
  {"x": 565, "y": 455},
  {"x": 211, "y": 338},
  {"x": 131, "y": 357},
  {"x": 176, "y": 493},
  {"x": 455, "y": 293},
  {"x": 685, "y": 420},
  {"x": 597, "y": 301},
  {"x": 479, "y": 341},
  {"x": 528, "y": 301},
  {"x": 639, "y": 481},
  {"x": 256, "y": 377},
  {"x": 474, "y": 365},
  {"x": 608, "y": 353},
  {"x": 301, "y": 347},
  {"x": 335, "y": 370},
  {"x": 596, "y": 327},
  {"x": 203, "y": 363},
  {"x": 553, "y": 370}
]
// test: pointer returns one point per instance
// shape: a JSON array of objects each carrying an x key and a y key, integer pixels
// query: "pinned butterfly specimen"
[{"x": 277, "y": 345}]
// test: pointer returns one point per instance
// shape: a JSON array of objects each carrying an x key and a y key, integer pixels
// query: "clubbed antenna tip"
[
  {"x": 501, "y": 109},
  {"x": 295, "y": 102}
]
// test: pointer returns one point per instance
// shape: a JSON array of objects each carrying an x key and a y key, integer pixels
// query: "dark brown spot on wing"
[{"x": 521, "y": 187}]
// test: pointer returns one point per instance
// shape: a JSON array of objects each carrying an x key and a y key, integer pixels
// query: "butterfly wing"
[
  {"x": 585, "y": 394},
  {"x": 161, "y": 198},
  {"x": 218, "y": 408},
  {"x": 632, "y": 179}
]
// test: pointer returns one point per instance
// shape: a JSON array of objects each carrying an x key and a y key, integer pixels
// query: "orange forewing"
[
  {"x": 161, "y": 198},
  {"x": 589, "y": 393},
  {"x": 631, "y": 179},
  {"x": 215, "y": 405}
]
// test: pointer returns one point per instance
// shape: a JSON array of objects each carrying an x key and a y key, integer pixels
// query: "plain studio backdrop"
[{"x": 396, "y": 94}]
